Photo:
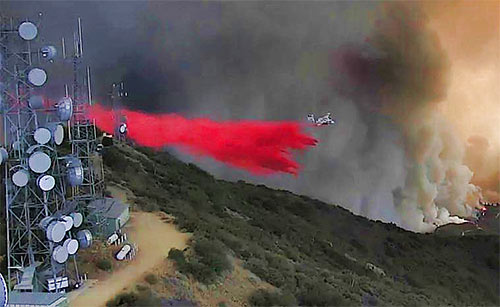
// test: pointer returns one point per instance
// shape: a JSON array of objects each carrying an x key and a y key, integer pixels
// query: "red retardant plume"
[{"x": 260, "y": 147}]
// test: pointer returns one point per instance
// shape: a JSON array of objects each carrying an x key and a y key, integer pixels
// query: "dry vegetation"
[{"x": 314, "y": 254}]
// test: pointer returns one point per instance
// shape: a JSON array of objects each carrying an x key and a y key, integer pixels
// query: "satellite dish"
[
  {"x": 46, "y": 182},
  {"x": 57, "y": 131},
  {"x": 56, "y": 231},
  {"x": 77, "y": 219},
  {"x": 68, "y": 222},
  {"x": 16, "y": 145},
  {"x": 4, "y": 155},
  {"x": 58, "y": 134},
  {"x": 35, "y": 102},
  {"x": 112, "y": 238},
  {"x": 28, "y": 30},
  {"x": 71, "y": 245},
  {"x": 39, "y": 162},
  {"x": 60, "y": 254},
  {"x": 65, "y": 109},
  {"x": 48, "y": 52},
  {"x": 3, "y": 292},
  {"x": 84, "y": 237},
  {"x": 123, "y": 252},
  {"x": 42, "y": 135},
  {"x": 74, "y": 172},
  {"x": 123, "y": 128},
  {"x": 21, "y": 178},
  {"x": 45, "y": 222},
  {"x": 99, "y": 147},
  {"x": 37, "y": 76}
]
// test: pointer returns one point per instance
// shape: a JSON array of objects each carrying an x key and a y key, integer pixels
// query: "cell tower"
[
  {"x": 42, "y": 186},
  {"x": 117, "y": 95},
  {"x": 83, "y": 130}
]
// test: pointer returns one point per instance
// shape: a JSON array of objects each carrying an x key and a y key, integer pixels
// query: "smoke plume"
[
  {"x": 397, "y": 150},
  {"x": 406, "y": 80}
]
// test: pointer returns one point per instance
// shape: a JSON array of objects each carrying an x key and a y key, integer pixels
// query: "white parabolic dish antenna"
[
  {"x": 28, "y": 30},
  {"x": 48, "y": 52},
  {"x": 68, "y": 222},
  {"x": 46, "y": 182},
  {"x": 35, "y": 102},
  {"x": 21, "y": 178},
  {"x": 123, "y": 252},
  {"x": 3, "y": 292},
  {"x": 65, "y": 109},
  {"x": 56, "y": 231},
  {"x": 42, "y": 136},
  {"x": 123, "y": 128},
  {"x": 4, "y": 155},
  {"x": 77, "y": 219},
  {"x": 45, "y": 222},
  {"x": 84, "y": 237},
  {"x": 37, "y": 76},
  {"x": 16, "y": 145},
  {"x": 58, "y": 134},
  {"x": 71, "y": 245},
  {"x": 74, "y": 172},
  {"x": 60, "y": 254},
  {"x": 39, "y": 162}
]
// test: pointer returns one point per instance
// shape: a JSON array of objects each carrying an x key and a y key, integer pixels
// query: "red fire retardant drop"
[{"x": 260, "y": 147}]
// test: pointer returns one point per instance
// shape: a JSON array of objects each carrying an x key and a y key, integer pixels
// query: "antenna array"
[{"x": 45, "y": 189}]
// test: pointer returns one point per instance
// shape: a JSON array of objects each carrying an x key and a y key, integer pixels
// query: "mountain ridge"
[{"x": 314, "y": 253}]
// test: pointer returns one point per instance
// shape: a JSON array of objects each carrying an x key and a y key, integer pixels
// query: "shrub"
[
  {"x": 151, "y": 279},
  {"x": 212, "y": 253},
  {"x": 263, "y": 297},
  {"x": 257, "y": 266},
  {"x": 132, "y": 299},
  {"x": 177, "y": 256},
  {"x": 104, "y": 264},
  {"x": 319, "y": 294},
  {"x": 142, "y": 287},
  {"x": 123, "y": 299},
  {"x": 200, "y": 271}
]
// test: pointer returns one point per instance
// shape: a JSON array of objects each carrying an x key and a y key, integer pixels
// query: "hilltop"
[{"x": 312, "y": 253}]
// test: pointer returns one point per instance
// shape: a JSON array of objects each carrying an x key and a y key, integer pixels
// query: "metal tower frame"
[
  {"x": 25, "y": 206},
  {"x": 29, "y": 251},
  {"x": 83, "y": 131}
]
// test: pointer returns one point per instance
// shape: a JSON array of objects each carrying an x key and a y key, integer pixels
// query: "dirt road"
[{"x": 154, "y": 238}]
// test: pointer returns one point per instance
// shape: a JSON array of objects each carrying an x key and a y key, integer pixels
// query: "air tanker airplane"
[{"x": 321, "y": 121}]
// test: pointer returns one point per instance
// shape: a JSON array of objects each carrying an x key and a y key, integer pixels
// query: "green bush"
[
  {"x": 104, "y": 264},
  {"x": 213, "y": 254},
  {"x": 200, "y": 271},
  {"x": 131, "y": 299},
  {"x": 266, "y": 298},
  {"x": 123, "y": 299},
  {"x": 319, "y": 293},
  {"x": 177, "y": 256},
  {"x": 151, "y": 279},
  {"x": 142, "y": 287},
  {"x": 311, "y": 233}
]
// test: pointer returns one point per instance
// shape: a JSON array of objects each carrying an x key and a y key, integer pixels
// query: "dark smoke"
[{"x": 273, "y": 61}]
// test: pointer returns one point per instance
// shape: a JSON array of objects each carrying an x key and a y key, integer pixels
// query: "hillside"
[{"x": 314, "y": 253}]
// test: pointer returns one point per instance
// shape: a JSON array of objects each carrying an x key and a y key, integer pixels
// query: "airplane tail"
[{"x": 310, "y": 118}]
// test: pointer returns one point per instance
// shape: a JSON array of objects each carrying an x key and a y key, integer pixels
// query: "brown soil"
[{"x": 154, "y": 238}]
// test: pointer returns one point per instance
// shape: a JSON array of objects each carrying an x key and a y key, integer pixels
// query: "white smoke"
[
  {"x": 438, "y": 183},
  {"x": 272, "y": 61}
]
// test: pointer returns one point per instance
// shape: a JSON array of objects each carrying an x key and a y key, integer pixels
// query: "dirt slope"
[{"x": 154, "y": 238}]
